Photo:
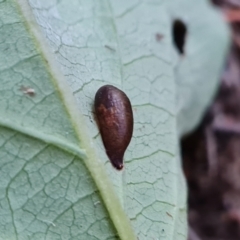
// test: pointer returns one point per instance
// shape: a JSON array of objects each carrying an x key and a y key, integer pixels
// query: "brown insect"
[{"x": 115, "y": 120}]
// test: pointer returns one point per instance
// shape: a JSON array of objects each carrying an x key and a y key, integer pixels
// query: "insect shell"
[{"x": 115, "y": 121}]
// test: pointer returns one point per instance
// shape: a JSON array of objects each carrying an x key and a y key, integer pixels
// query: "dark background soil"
[{"x": 211, "y": 154}]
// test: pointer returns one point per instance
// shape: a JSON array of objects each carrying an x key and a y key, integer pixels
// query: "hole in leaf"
[{"x": 179, "y": 35}]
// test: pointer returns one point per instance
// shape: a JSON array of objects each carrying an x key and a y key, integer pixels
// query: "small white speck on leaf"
[{"x": 28, "y": 90}]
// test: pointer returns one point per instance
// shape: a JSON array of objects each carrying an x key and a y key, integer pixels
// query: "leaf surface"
[{"x": 56, "y": 180}]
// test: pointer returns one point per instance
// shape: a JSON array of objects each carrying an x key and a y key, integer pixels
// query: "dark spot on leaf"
[
  {"x": 110, "y": 48},
  {"x": 179, "y": 35},
  {"x": 159, "y": 37}
]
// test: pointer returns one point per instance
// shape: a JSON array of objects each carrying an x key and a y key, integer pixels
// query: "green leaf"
[
  {"x": 56, "y": 181},
  {"x": 198, "y": 73}
]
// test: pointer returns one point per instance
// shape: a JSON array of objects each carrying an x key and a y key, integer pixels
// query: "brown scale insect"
[{"x": 115, "y": 120}]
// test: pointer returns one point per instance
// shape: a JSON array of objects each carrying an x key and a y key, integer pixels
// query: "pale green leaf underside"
[
  {"x": 47, "y": 193},
  {"x": 43, "y": 163},
  {"x": 199, "y": 70},
  {"x": 109, "y": 42},
  {"x": 53, "y": 185}
]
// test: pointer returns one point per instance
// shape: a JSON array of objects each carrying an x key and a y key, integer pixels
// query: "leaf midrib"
[{"x": 112, "y": 204}]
